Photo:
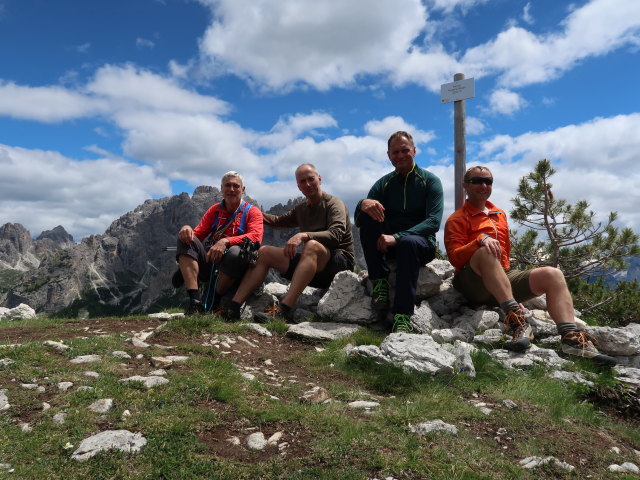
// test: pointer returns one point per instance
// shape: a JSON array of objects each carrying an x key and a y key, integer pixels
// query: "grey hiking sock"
[
  {"x": 509, "y": 305},
  {"x": 566, "y": 327}
]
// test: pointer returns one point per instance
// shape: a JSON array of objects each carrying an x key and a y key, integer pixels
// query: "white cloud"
[
  {"x": 596, "y": 161},
  {"x": 506, "y": 102},
  {"x": 522, "y": 58},
  {"x": 129, "y": 87},
  {"x": 526, "y": 14},
  {"x": 144, "y": 43},
  {"x": 46, "y": 104},
  {"x": 382, "y": 129},
  {"x": 290, "y": 127},
  {"x": 84, "y": 48},
  {"x": 280, "y": 44},
  {"x": 320, "y": 43},
  {"x": 474, "y": 126},
  {"x": 83, "y": 196},
  {"x": 448, "y": 6}
]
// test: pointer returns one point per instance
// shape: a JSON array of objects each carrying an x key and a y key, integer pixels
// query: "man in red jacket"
[
  {"x": 476, "y": 237},
  {"x": 313, "y": 256},
  {"x": 216, "y": 240}
]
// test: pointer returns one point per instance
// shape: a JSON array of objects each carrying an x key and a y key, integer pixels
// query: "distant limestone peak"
[{"x": 58, "y": 235}]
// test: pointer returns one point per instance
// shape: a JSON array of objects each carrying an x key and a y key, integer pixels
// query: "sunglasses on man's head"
[{"x": 479, "y": 180}]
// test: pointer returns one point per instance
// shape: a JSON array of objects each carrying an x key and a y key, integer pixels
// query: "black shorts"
[
  {"x": 337, "y": 263},
  {"x": 228, "y": 265}
]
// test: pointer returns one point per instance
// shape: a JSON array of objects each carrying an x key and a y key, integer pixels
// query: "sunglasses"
[{"x": 479, "y": 180}]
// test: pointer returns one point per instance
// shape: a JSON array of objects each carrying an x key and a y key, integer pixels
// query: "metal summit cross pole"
[{"x": 457, "y": 92}]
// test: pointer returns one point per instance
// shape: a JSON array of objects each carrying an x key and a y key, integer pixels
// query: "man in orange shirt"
[{"x": 476, "y": 237}]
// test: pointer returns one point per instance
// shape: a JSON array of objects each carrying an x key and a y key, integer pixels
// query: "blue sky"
[{"x": 106, "y": 103}]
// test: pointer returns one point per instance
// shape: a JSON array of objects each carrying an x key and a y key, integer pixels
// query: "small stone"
[
  {"x": 248, "y": 376},
  {"x": 86, "y": 359},
  {"x": 59, "y": 418},
  {"x": 122, "y": 440},
  {"x": 434, "y": 426},
  {"x": 233, "y": 440},
  {"x": 25, "y": 427},
  {"x": 57, "y": 345},
  {"x": 91, "y": 374},
  {"x": 158, "y": 373},
  {"x": 363, "y": 404},
  {"x": 120, "y": 354},
  {"x": 45, "y": 406},
  {"x": 101, "y": 406},
  {"x": 126, "y": 414},
  {"x": 315, "y": 395},
  {"x": 256, "y": 441},
  {"x": 85, "y": 388},
  {"x": 64, "y": 386},
  {"x": 275, "y": 438}
]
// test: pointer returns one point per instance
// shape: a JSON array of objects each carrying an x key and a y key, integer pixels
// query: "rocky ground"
[{"x": 274, "y": 360}]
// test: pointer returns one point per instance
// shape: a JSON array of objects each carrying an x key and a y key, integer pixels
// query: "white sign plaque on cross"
[{"x": 458, "y": 90}]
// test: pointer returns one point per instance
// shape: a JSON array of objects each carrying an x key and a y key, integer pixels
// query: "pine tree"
[{"x": 573, "y": 240}]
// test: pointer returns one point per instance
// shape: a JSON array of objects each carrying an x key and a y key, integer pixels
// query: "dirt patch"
[
  {"x": 230, "y": 441},
  {"x": 274, "y": 360},
  {"x": 83, "y": 328}
]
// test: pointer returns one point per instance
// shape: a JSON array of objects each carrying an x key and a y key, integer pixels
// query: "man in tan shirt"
[{"x": 326, "y": 247}]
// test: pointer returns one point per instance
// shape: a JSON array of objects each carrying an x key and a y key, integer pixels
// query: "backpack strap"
[{"x": 243, "y": 220}]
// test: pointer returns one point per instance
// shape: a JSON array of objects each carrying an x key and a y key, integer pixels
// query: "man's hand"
[
  {"x": 385, "y": 241},
  {"x": 215, "y": 253},
  {"x": 291, "y": 246},
  {"x": 492, "y": 245},
  {"x": 185, "y": 235},
  {"x": 373, "y": 208}
]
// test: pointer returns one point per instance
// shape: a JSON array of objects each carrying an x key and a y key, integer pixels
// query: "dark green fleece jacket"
[{"x": 413, "y": 204}]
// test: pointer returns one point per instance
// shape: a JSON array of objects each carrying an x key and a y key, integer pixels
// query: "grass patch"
[{"x": 189, "y": 421}]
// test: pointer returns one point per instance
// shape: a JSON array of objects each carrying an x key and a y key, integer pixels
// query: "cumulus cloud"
[
  {"x": 447, "y": 6},
  {"x": 593, "y": 152},
  {"x": 83, "y": 196},
  {"x": 282, "y": 43},
  {"x": 133, "y": 88},
  {"x": 46, "y": 104},
  {"x": 291, "y": 126},
  {"x": 521, "y": 58},
  {"x": 505, "y": 102}
]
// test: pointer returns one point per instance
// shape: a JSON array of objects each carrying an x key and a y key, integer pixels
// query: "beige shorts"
[{"x": 470, "y": 284}]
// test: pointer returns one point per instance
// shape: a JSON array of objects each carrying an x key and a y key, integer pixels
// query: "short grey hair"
[{"x": 230, "y": 174}]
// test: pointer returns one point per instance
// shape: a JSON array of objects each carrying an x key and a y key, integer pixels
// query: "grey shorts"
[{"x": 470, "y": 284}]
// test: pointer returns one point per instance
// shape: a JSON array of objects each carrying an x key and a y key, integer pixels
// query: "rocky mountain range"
[{"x": 123, "y": 271}]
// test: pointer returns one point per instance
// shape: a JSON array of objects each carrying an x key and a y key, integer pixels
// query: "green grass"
[{"x": 186, "y": 422}]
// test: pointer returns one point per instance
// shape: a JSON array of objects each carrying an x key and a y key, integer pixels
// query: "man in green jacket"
[{"x": 399, "y": 219}]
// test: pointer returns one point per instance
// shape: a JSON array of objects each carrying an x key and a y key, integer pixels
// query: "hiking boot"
[
  {"x": 580, "y": 344},
  {"x": 402, "y": 323},
  {"x": 380, "y": 294},
  {"x": 195, "y": 308},
  {"x": 275, "y": 312},
  {"x": 229, "y": 312},
  {"x": 520, "y": 331}
]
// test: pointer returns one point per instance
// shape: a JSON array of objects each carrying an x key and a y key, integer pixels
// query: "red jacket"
[
  {"x": 253, "y": 228},
  {"x": 467, "y": 226}
]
